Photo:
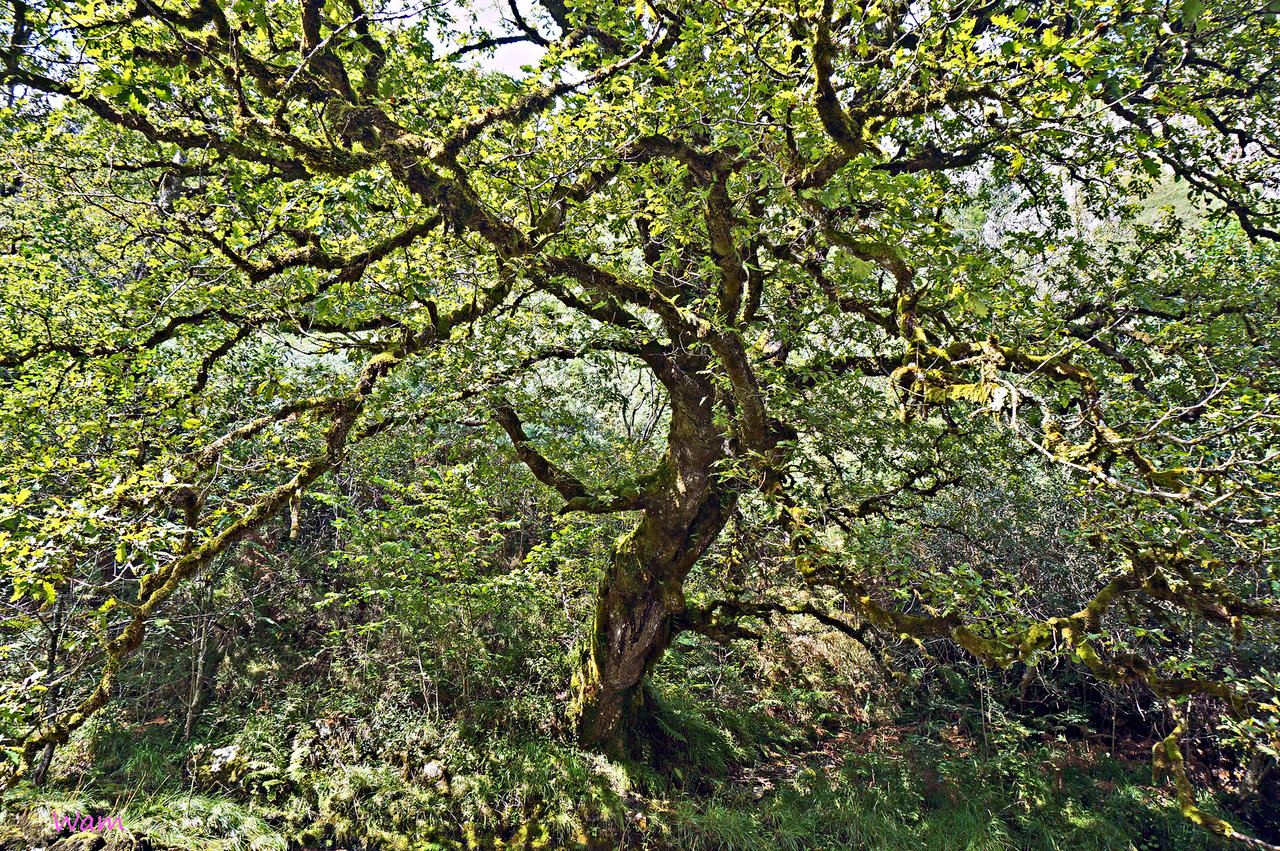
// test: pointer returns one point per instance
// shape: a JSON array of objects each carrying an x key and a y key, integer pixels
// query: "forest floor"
[{"x": 843, "y": 785}]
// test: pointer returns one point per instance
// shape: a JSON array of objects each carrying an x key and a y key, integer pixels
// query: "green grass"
[
  {"x": 168, "y": 820},
  {"x": 787, "y": 772},
  {"x": 899, "y": 813},
  {"x": 538, "y": 792}
]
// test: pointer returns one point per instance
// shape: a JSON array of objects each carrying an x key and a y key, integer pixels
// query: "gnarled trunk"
[
  {"x": 643, "y": 586},
  {"x": 630, "y": 630}
]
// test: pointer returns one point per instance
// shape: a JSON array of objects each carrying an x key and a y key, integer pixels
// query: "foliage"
[{"x": 719, "y": 319}]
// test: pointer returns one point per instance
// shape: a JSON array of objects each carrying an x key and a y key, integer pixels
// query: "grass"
[
  {"x": 902, "y": 813},
  {"x": 168, "y": 820},
  {"x": 789, "y": 772},
  {"x": 540, "y": 796}
]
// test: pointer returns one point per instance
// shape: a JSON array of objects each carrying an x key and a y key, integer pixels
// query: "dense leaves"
[{"x": 857, "y": 285}]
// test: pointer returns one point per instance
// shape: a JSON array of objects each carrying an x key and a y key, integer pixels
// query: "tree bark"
[
  {"x": 50, "y": 703},
  {"x": 197, "y": 676},
  {"x": 643, "y": 585}
]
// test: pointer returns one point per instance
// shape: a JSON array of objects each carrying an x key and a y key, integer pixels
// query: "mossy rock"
[
  {"x": 531, "y": 835},
  {"x": 85, "y": 840},
  {"x": 229, "y": 769}
]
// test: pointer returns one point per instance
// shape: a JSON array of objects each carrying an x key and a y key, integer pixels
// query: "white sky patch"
[{"x": 495, "y": 17}]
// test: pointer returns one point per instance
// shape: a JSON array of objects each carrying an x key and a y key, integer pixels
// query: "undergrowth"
[{"x": 716, "y": 778}]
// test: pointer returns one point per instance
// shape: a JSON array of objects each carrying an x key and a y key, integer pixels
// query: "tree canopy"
[{"x": 730, "y": 271}]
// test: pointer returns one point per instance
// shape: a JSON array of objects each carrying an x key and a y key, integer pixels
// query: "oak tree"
[{"x": 853, "y": 245}]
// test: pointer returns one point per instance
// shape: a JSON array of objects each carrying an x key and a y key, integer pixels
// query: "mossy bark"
[
  {"x": 643, "y": 584},
  {"x": 630, "y": 630}
]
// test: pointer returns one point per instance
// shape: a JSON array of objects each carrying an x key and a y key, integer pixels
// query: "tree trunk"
[
  {"x": 643, "y": 586},
  {"x": 197, "y": 678},
  {"x": 629, "y": 632},
  {"x": 46, "y": 760},
  {"x": 49, "y": 705}
]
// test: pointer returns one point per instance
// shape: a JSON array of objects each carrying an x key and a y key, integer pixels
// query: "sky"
[{"x": 509, "y": 57}]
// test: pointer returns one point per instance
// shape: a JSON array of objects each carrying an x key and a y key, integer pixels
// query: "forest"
[{"x": 674, "y": 424}]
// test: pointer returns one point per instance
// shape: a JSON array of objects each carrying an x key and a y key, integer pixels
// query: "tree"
[{"x": 847, "y": 241}]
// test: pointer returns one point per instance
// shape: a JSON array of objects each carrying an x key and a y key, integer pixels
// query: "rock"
[
  {"x": 224, "y": 759},
  {"x": 218, "y": 766},
  {"x": 228, "y": 768}
]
